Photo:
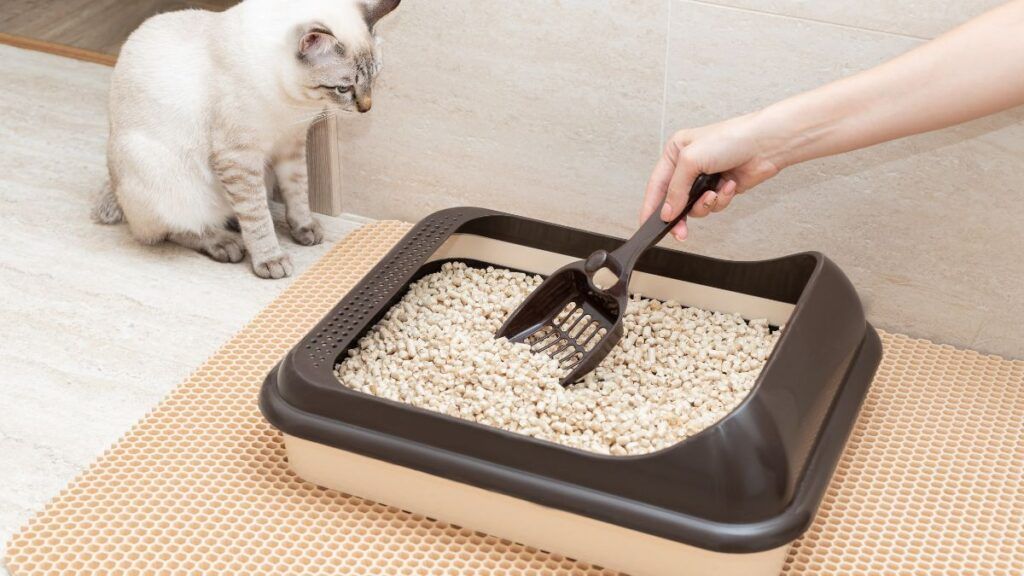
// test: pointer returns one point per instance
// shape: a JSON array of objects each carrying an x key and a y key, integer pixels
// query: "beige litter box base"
[
  {"x": 517, "y": 519},
  {"x": 932, "y": 480}
]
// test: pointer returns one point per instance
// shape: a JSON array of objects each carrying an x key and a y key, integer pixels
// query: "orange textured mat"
[{"x": 932, "y": 481}]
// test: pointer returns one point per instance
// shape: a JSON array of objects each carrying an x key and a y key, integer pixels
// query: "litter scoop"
[{"x": 575, "y": 315}]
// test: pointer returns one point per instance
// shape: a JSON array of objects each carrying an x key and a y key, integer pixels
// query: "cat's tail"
[{"x": 107, "y": 210}]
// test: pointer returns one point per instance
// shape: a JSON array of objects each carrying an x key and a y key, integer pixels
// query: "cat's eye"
[{"x": 342, "y": 89}]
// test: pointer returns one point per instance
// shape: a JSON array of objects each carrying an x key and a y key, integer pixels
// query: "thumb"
[{"x": 686, "y": 172}]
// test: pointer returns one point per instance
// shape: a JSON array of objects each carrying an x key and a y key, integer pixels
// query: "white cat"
[{"x": 202, "y": 103}]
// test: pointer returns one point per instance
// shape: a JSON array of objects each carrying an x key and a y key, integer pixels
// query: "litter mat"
[{"x": 931, "y": 480}]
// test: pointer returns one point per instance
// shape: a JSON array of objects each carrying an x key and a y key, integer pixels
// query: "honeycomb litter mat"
[{"x": 931, "y": 482}]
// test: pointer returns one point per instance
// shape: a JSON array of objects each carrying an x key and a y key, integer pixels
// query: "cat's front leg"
[
  {"x": 293, "y": 180},
  {"x": 240, "y": 170}
]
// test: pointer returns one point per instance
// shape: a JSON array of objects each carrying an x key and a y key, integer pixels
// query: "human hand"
[{"x": 737, "y": 148}]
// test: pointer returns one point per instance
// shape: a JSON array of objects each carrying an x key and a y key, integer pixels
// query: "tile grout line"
[
  {"x": 664, "y": 85},
  {"x": 806, "y": 19}
]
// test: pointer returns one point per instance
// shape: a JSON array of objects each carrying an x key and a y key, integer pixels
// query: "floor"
[
  {"x": 95, "y": 328},
  {"x": 94, "y": 25}
]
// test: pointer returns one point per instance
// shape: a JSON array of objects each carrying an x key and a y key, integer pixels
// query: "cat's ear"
[
  {"x": 374, "y": 10},
  {"x": 315, "y": 41}
]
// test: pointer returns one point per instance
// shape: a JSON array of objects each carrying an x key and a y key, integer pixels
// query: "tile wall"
[{"x": 558, "y": 110}]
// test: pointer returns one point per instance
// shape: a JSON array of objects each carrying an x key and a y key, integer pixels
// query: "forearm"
[{"x": 969, "y": 72}]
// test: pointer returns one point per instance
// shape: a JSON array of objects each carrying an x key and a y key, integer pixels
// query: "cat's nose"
[{"x": 364, "y": 103}]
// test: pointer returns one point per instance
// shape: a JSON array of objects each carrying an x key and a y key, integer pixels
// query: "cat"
[{"x": 202, "y": 104}]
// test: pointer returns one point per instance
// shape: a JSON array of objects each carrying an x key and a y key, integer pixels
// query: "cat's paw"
[
  {"x": 308, "y": 234},
  {"x": 275, "y": 267},
  {"x": 226, "y": 248}
]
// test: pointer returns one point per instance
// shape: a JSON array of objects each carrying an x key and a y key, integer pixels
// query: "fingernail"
[
  {"x": 710, "y": 203},
  {"x": 666, "y": 211},
  {"x": 729, "y": 190}
]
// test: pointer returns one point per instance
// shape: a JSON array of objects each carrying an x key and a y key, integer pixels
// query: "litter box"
[{"x": 726, "y": 501}]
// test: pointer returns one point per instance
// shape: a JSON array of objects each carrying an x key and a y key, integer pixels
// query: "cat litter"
[{"x": 676, "y": 371}]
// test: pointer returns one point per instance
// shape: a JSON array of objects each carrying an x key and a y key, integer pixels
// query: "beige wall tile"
[
  {"x": 921, "y": 18},
  {"x": 928, "y": 228},
  {"x": 553, "y": 110},
  {"x": 550, "y": 109}
]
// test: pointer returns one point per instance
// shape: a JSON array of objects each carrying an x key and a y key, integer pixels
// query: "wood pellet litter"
[{"x": 676, "y": 371}]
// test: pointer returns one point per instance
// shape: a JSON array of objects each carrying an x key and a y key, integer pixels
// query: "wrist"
[
  {"x": 776, "y": 136},
  {"x": 793, "y": 131}
]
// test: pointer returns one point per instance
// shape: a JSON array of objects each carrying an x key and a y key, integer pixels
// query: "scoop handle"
[{"x": 654, "y": 229}]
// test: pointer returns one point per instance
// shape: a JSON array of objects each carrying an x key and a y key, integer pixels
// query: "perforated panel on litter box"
[{"x": 932, "y": 480}]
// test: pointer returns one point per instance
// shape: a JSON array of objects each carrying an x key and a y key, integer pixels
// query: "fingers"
[
  {"x": 705, "y": 204},
  {"x": 709, "y": 202},
  {"x": 668, "y": 188},
  {"x": 679, "y": 187},
  {"x": 715, "y": 201},
  {"x": 725, "y": 195},
  {"x": 654, "y": 195},
  {"x": 680, "y": 231},
  {"x": 661, "y": 177}
]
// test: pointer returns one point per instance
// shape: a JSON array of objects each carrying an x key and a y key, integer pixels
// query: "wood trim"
[{"x": 58, "y": 49}]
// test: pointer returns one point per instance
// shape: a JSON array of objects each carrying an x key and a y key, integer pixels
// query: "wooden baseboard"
[{"x": 58, "y": 49}]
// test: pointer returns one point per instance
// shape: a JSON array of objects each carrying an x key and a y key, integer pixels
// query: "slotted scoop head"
[{"x": 575, "y": 315}]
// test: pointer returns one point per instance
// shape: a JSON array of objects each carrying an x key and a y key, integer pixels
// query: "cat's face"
[{"x": 337, "y": 66}]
